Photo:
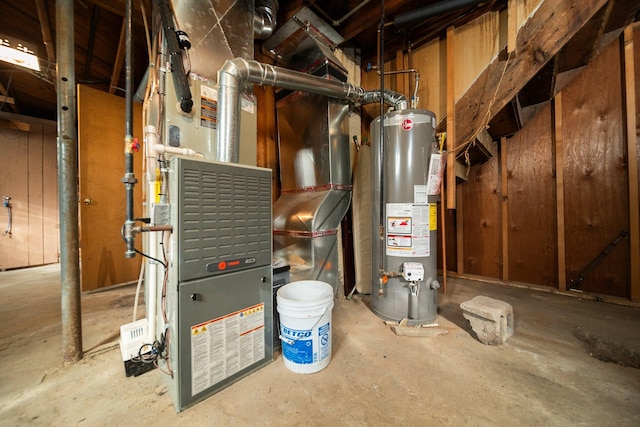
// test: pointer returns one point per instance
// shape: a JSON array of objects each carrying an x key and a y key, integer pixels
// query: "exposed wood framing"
[
  {"x": 443, "y": 233},
  {"x": 12, "y": 105},
  {"x": 119, "y": 60},
  {"x": 459, "y": 234},
  {"x": 505, "y": 209},
  {"x": 500, "y": 82},
  {"x": 402, "y": 80},
  {"x": 95, "y": 19},
  {"x": 45, "y": 28},
  {"x": 512, "y": 25},
  {"x": 632, "y": 155},
  {"x": 360, "y": 21},
  {"x": 559, "y": 148},
  {"x": 7, "y": 100},
  {"x": 451, "y": 122}
]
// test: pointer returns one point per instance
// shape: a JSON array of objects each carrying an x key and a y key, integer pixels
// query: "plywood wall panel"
[
  {"x": 14, "y": 180},
  {"x": 531, "y": 201},
  {"x": 51, "y": 228},
  {"x": 596, "y": 186},
  {"x": 430, "y": 61},
  {"x": 36, "y": 208},
  {"x": 451, "y": 233},
  {"x": 481, "y": 221},
  {"x": 476, "y": 46}
]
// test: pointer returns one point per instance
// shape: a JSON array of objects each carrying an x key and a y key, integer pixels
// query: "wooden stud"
[
  {"x": 443, "y": 234},
  {"x": 459, "y": 234},
  {"x": 504, "y": 175},
  {"x": 632, "y": 155},
  {"x": 512, "y": 25},
  {"x": 559, "y": 146},
  {"x": 117, "y": 63},
  {"x": 401, "y": 79},
  {"x": 451, "y": 122}
]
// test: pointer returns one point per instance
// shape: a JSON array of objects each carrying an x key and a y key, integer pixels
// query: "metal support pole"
[{"x": 68, "y": 184}]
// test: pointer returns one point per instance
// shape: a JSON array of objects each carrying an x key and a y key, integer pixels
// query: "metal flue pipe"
[
  {"x": 264, "y": 18},
  {"x": 68, "y": 184},
  {"x": 237, "y": 72}
]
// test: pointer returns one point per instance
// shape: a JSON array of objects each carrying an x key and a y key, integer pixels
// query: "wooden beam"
[
  {"x": 12, "y": 105},
  {"x": 7, "y": 100},
  {"x": 632, "y": 155},
  {"x": 45, "y": 28},
  {"x": 559, "y": 149},
  {"x": 551, "y": 26},
  {"x": 362, "y": 21},
  {"x": 95, "y": 19},
  {"x": 451, "y": 120},
  {"x": 15, "y": 125},
  {"x": 504, "y": 176},
  {"x": 119, "y": 60}
]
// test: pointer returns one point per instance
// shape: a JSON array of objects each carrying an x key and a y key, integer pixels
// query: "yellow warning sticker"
[{"x": 433, "y": 216}]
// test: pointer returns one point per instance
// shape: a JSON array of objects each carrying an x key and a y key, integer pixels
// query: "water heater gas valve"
[{"x": 412, "y": 271}]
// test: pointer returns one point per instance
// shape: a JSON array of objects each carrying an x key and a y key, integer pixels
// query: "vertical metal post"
[{"x": 68, "y": 183}]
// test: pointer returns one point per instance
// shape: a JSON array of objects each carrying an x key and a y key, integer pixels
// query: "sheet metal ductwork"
[
  {"x": 315, "y": 173},
  {"x": 218, "y": 31},
  {"x": 314, "y": 153}
]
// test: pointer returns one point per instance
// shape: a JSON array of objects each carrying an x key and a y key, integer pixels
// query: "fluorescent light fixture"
[{"x": 19, "y": 55}]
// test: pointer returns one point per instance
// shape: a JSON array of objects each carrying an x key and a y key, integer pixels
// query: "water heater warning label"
[
  {"x": 224, "y": 346},
  {"x": 407, "y": 233}
]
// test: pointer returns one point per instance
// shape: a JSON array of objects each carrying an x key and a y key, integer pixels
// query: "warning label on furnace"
[
  {"x": 224, "y": 346},
  {"x": 209, "y": 108},
  {"x": 407, "y": 233}
]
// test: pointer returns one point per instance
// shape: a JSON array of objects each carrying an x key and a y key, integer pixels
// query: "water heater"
[{"x": 404, "y": 218}]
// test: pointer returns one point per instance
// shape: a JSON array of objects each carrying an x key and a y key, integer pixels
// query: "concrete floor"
[{"x": 544, "y": 375}]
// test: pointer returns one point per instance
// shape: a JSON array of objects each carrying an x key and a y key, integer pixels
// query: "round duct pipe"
[{"x": 264, "y": 18}]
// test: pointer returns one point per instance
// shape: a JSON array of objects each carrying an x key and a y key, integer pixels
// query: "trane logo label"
[
  {"x": 407, "y": 124},
  {"x": 292, "y": 333},
  {"x": 227, "y": 264}
]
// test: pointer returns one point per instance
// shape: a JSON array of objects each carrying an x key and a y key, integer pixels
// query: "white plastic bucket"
[{"x": 305, "y": 325}]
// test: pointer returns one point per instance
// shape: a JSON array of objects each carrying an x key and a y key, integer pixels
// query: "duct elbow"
[
  {"x": 394, "y": 99},
  {"x": 264, "y": 18}
]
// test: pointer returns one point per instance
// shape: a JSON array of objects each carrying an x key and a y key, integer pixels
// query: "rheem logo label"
[{"x": 407, "y": 124}]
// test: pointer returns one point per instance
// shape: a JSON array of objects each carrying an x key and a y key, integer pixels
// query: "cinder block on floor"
[{"x": 491, "y": 319}]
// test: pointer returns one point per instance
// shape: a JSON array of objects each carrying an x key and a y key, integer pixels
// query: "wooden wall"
[
  {"x": 29, "y": 176},
  {"x": 531, "y": 199},
  {"x": 587, "y": 122},
  {"x": 595, "y": 174}
]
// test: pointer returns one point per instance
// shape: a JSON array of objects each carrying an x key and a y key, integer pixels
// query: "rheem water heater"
[{"x": 404, "y": 218}]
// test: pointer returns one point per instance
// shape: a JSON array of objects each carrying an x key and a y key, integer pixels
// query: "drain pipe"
[
  {"x": 68, "y": 185},
  {"x": 236, "y": 72}
]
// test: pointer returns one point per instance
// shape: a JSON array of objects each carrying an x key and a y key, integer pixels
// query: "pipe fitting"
[
  {"x": 238, "y": 71},
  {"x": 264, "y": 18}
]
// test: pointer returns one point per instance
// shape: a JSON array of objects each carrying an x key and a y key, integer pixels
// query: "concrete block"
[{"x": 491, "y": 319}]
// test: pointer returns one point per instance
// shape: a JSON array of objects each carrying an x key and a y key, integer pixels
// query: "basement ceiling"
[{"x": 99, "y": 48}]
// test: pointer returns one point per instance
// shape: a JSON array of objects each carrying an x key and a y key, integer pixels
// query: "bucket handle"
[{"x": 290, "y": 341}]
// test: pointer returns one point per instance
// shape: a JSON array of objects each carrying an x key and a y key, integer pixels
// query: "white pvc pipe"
[
  {"x": 151, "y": 295},
  {"x": 160, "y": 148}
]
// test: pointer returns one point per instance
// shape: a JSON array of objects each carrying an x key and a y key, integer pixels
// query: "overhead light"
[{"x": 18, "y": 54}]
